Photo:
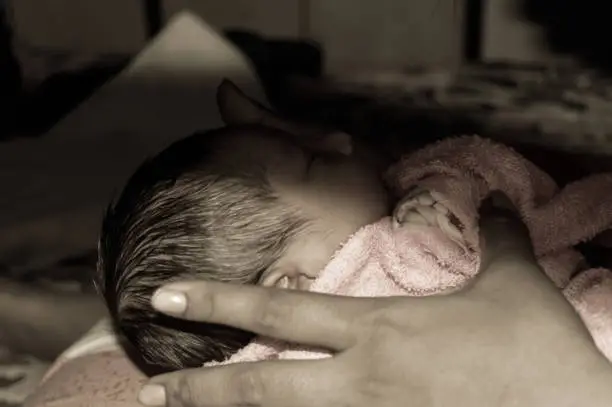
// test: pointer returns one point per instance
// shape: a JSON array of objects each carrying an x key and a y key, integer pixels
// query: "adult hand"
[{"x": 510, "y": 339}]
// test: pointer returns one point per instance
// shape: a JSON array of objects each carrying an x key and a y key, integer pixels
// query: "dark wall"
[
  {"x": 582, "y": 28},
  {"x": 10, "y": 77}
]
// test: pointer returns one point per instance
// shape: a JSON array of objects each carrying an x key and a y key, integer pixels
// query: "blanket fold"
[{"x": 425, "y": 258}]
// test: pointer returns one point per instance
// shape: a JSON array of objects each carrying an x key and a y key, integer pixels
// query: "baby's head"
[{"x": 258, "y": 202}]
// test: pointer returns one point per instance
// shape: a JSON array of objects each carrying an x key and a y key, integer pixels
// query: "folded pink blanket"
[{"x": 441, "y": 255}]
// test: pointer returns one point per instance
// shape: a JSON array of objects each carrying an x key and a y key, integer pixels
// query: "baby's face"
[{"x": 339, "y": 193}]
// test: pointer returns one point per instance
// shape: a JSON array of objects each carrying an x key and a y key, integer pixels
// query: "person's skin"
[{"x": 510, "y": 339}]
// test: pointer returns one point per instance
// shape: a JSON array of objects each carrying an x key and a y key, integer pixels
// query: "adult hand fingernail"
[
  {"x": 152, "y": 395},
  {"x": 169, "y": 301}
]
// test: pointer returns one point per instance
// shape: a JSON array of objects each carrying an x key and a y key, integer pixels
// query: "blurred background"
[
  {"x": 46, "y": 39},
  {"x": 377, "y": 34}
]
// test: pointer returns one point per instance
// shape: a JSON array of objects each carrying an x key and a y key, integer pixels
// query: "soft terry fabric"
[{"x": 417, "y": 260}]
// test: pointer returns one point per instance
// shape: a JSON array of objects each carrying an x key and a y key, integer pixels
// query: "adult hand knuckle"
[
  {"x": 272, "y": 313},
  {"x": 249, "y": 386},
  {"x": 186, "y": 391},
  {"x": 385, "y": 324},
  {"x": 199, "y": 300}
]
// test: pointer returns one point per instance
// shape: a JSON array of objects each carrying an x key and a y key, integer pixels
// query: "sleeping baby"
[
  {"x": 261, "y": 201},
  {"x": 264, "y": 201}
]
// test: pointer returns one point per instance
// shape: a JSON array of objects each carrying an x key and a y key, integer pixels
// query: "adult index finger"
[
  {"x": 320, "y": 320},
  {"x": 269, "y": 384}
]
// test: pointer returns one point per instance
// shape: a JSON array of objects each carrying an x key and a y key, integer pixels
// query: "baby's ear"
[{"x": 237, "y": 108}]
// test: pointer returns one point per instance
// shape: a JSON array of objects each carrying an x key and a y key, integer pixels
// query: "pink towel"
[{"x": 419, "y": 260}]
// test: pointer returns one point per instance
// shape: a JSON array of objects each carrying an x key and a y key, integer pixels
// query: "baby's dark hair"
[{"x": 191, "y": 212}]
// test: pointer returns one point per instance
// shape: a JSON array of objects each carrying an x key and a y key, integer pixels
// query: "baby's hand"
[{"x": 420, "y": 207}]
